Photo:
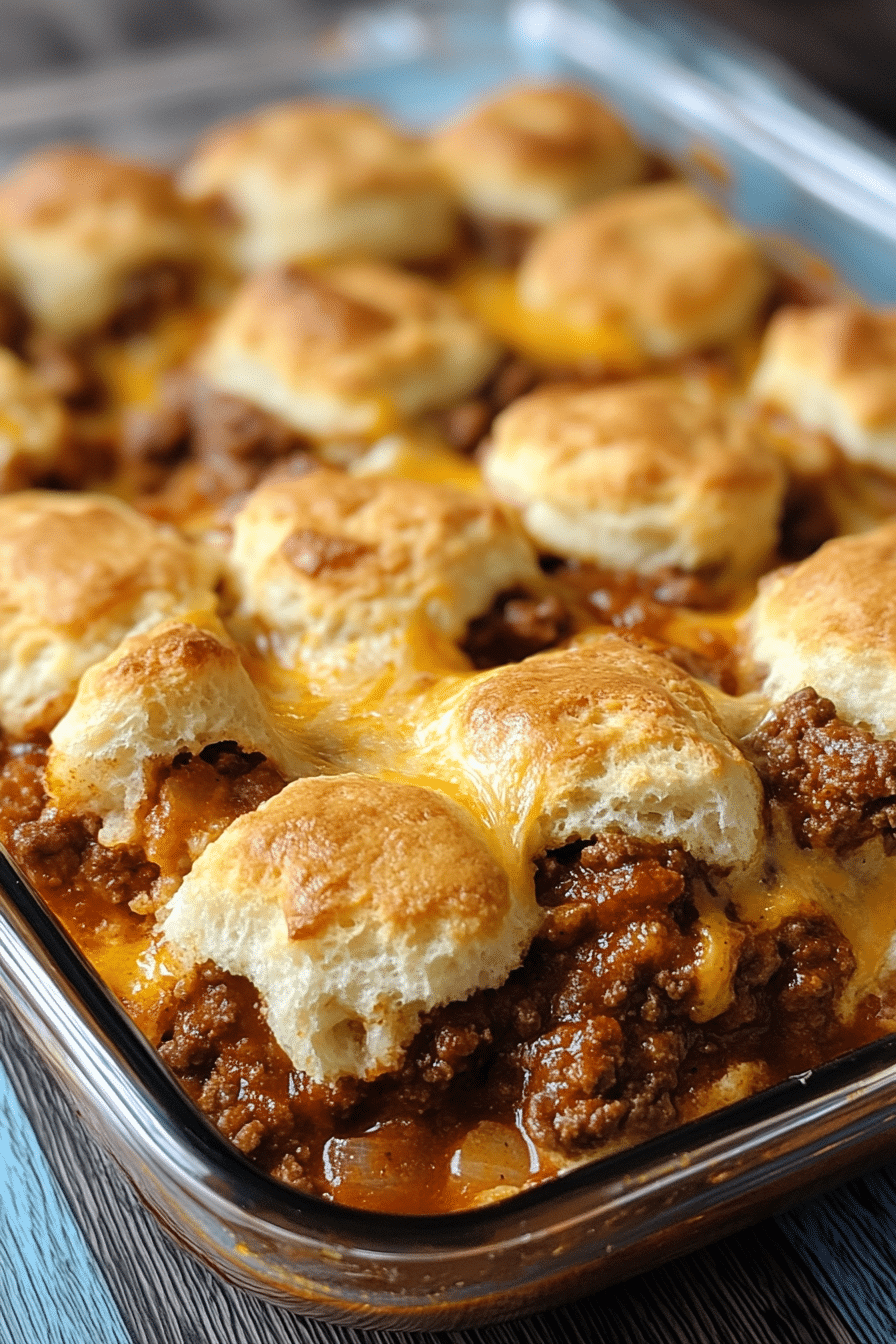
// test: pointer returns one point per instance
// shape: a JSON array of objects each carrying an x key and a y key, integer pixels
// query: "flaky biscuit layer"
[
  {"x": 354, "y": 905},
  {"x": 639, "y": 476}
]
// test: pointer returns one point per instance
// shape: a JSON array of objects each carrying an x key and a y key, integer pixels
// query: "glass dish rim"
[
  {"x": 94, "y": 998},
  {"x": 275, "y": 1202}
]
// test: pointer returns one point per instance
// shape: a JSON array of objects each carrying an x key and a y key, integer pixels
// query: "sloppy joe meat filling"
[{"x": 591, "y": 1044}]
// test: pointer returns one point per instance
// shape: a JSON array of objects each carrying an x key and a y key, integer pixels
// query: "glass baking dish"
[{"x": 806, "y": 176}]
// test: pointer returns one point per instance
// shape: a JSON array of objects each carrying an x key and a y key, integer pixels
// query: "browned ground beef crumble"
[
  {"x": 232, "y": 442},
  {"x": 466, "y": 425},
  {"x": 836, "y": 782},
  {"x": 517, "y": 625},
  {"x": 591, "y": 1041},
  {"x": 150, "y": 292}
]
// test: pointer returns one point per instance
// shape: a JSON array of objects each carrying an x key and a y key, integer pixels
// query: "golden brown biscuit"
[
  {"x": 354, "y": 906},
  {"x": 309, "y": 180},
  {"x": 343, "y": 570},
  {"x": 78, "y": 573},
  {"x": 639, "y": 476},
  {"x": 605, "y": 736},
  {"x": 534, "y": 152},
  {"x": 177, "y": 688},
  {"x": 659, "y": 261},
  {"x": 346, "y": 351},
  {"x": 830, "y": 623},
  {"x": 82, "y": 232},
  {"x": 33, "y": 426},
  {"x": 833, "y": 369}
]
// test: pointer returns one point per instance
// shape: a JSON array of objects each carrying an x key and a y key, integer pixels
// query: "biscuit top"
[
  {"x": 79, "y": 573},
  {"x": 660, "y": 259},
  {"x": 536, "y": 150},
  {"x": 358, "y": 332},
  {"x": 68, "y": 184},
  {"x": 354, "y": 905},
  {"x": 70, "y": 560},
  {"x": 638, "y": 475},
  {"x": 352, "y": 324},
  {"x": 313, "y": 180},
  {"x": 329, "y": 153},
  {"x": 607, "y": 735},
  {"x": 632, "y": 443},
  {"x": 400, "y": 852},
  {"x": 849, "y": 348},
  {"x": 330, "y": 559},
  {"x": 830, "y": 623},
  {"x": 833, "y": 369},
  {"x": 177, "y": 688},
  {"x": 77, "y": 222}
]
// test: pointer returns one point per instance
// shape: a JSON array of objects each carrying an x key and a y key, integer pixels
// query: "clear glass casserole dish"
[{"x": 783, "y": 166}]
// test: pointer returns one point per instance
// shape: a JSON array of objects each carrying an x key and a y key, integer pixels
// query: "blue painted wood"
[{"x": 51, "y": 1291}]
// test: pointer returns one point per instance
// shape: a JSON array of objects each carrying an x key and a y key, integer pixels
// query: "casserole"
[{"x": 440, "y": 1279}]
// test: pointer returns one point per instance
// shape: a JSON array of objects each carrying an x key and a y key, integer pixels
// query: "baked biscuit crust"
[
  {"x": 342, "y": 569},
  {"x": 77, "y": 224},
  {"x": 833, "y": 369},
  {"x": 830, "y": 623},
  {"x": 311, "y": 180},
  {"x": 177, "y": 688},
  {"x": 533, "y": 152},
  {"x": 639, "y": 476},
  {"x": 354, "y": 905},
  {"x": 659, "y": 260},
  {"x": 606, "y": 736},
  {"x": 347, "y": 350},
  {"x": 77, "y": 574}
]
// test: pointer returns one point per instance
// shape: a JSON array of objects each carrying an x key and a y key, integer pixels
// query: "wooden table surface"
[{"x": 82, "y": 1262}]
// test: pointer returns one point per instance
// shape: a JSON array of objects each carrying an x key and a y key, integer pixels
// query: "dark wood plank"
[
  {"x": 849, "y": 1240},
  {"x": 750, "y": 1289}
]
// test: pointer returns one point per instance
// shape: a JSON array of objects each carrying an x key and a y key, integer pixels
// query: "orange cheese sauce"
[{"x": 546, "y": 338}]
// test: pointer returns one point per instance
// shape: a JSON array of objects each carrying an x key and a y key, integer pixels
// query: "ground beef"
[
  {"x": 466, "y": 425},
  {"x": 222, "y": 1050},
  {"x": 14, "y": 322},
  {"x": 816, "y": 964},
  {"x": 227, "y": 427},
  {"x": 836, "y": 782},
  {"x": 62, "y": 854},
  {"x": 150, "y": 292},
  {"x": 591, "y": 1041},
  {"x": 515, "y": 626},
  {"x": 197, "y": 797},
  {"x": 626, "y": 599},
  {"x": 59, "y": 853},
  {"x": 65, "y": 370},
  {"x": 154, "y": 440},
  {"x": 643, "y": 605},
  {"x": 230, "y": 443},
  {"x": 807, "y": 520},
  {"x": 500, "y": 242}
]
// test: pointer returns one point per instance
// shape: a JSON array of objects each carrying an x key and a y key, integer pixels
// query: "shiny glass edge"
[{"x": 792, "y": 163}]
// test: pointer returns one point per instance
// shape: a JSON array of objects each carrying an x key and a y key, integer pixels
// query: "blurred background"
[{"x": 848, "y": 47}]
